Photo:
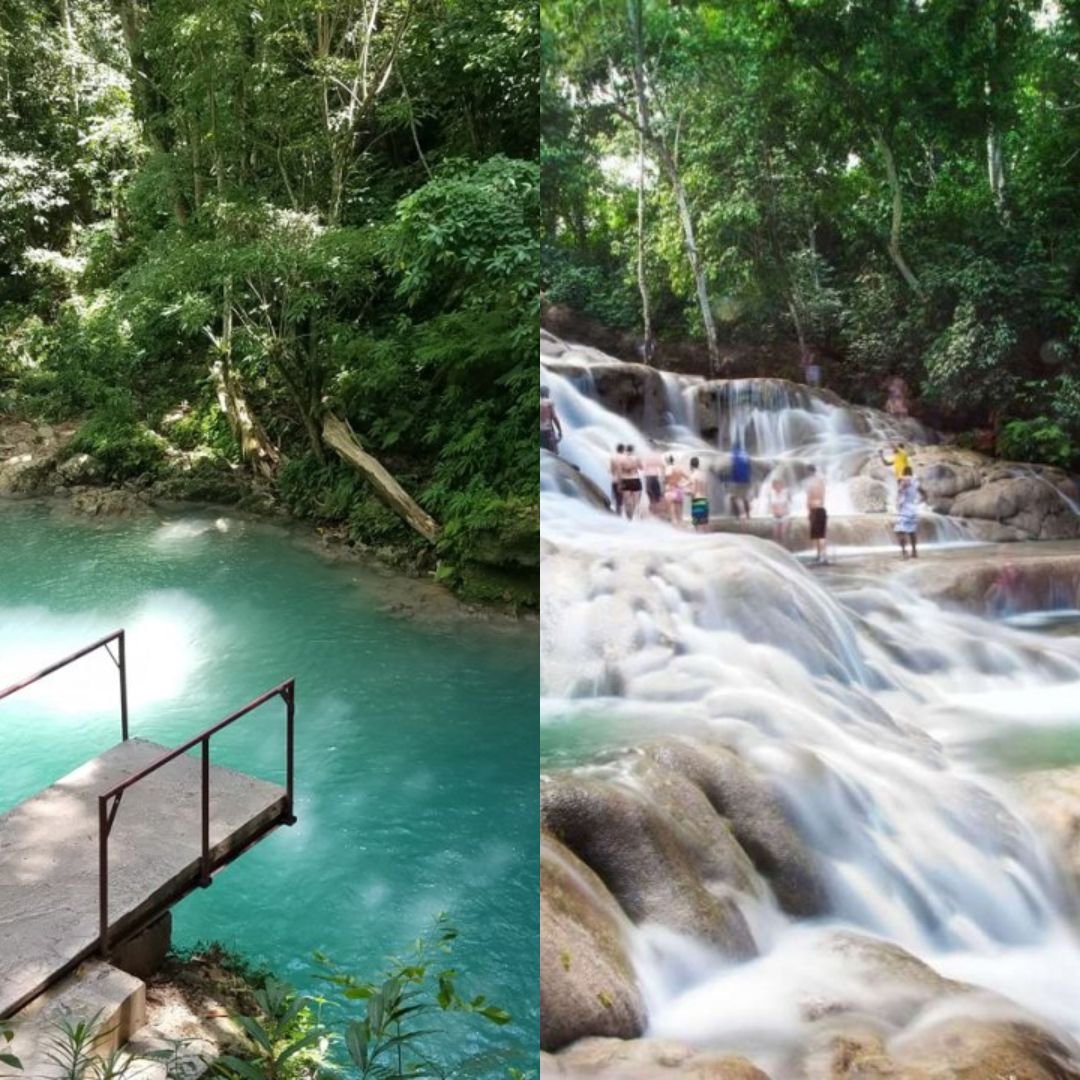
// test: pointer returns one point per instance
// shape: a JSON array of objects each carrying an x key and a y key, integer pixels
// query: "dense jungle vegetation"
[
  {"x": 891, "y": 186},
  {"x": 284, "y": 235}
]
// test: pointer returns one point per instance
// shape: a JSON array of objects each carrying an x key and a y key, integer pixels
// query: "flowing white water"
[
  {"x": 783, "y": 427},
  {"x": 859, "y": 707}
]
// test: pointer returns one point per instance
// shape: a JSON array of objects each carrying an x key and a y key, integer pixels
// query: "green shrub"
[
  {"x": 204, "y": 426},
  {"x": 124, "y": 446},
  {"x": 1039, "y": 440},
  {"x": 371, "y": 521}
]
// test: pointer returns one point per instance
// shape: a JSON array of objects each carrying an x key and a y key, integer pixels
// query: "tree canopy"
[
  {"x": 266, "y": 212},
  {"x": 894, "y": 185}
]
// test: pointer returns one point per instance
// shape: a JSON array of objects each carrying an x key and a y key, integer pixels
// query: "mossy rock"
[
  {"x": 514, "y": 542},
  {"x": 486, "y": 584}
]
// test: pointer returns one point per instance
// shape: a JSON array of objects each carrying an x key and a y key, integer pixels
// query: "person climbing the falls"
[
  {"x": 900, "y": 460},
  {"x": 780, "y": 508},
  {"x": 907, "y": 520},
  {"x": 652, "y": 468},
  {"x": 615, "y": 468},
  {"x": 675, "y": 483},
  {"x": 815, "y": 506},
  {"x": 699, "y": 496},
  {"x": 550, "y": 427},
  {"x": 630, "y": 481},
  {"x": 740, "y": 481}
]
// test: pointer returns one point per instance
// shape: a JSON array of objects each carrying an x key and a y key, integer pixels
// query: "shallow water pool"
[{"x": 416, "y": 737}]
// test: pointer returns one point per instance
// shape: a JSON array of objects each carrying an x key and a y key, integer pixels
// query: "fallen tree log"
[{"x": 340, "y": 438}]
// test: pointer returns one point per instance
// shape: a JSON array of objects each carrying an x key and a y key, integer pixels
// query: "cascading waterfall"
[{"x": 864, "y": 708}]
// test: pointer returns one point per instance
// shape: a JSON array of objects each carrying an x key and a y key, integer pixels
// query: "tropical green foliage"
[
  {"x": 371, "y": 1030},
  {"x": 335, "y": 203},
  {"x": 892, "y": 185}
]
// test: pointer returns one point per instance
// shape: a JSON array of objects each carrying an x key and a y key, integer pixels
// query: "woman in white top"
[{"x": 780, "y": 508}]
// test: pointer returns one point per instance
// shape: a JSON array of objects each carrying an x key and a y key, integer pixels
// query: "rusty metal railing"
[
  {"x": 107, "y": 813},
  {"x": 119, "y": 660}
]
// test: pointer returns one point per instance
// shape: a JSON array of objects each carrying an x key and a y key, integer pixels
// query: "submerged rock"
[
  {"x": 645, "y": 1059},
  {"x": 956, "y": 1048},
  {"x": 587, "y": 984},
  {"x": 109, "y": 502},
  {"x": 1052, "y": 800}
]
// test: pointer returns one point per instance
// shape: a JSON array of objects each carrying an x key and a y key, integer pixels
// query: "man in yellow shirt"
[{"x": 900, "y": 460}]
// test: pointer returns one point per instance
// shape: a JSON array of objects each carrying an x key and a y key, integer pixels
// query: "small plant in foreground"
[
  {"x": 368, "y": 1030},
  {"x": 7, "y": 1058}
]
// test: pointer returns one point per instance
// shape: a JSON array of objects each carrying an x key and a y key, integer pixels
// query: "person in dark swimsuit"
[
  {"x": 815, "y": 505},
  {"x": 631, "y": 482},
  {"x": 615, "y": 466},
  {"x": 550, "y": 428}
]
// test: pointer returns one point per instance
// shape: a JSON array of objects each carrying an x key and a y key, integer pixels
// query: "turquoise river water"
[{"x": 416, "y": 738}]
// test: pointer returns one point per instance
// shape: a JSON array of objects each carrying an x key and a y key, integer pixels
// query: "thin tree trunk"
[
  {"x": 895, "y": 251},
  {"x": 694, "y": 258},
  {"x": 643, "y": 285},
  {"x": 634, "y": 11},
  {"x": 995, "y": 164},
  {"x": 995, "y": 161},
  {"x": 71, "y": 46},
  {"x": 340, "y": 438}
]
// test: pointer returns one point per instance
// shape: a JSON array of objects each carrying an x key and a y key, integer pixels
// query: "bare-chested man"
[
  {"x": 550, "y": 427},
  {"x": 630, "y": 481},
  {"x": 815, "y": 505}
]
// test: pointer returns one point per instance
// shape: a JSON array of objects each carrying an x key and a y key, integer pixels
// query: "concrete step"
[{"x": 108, "y": 1001}]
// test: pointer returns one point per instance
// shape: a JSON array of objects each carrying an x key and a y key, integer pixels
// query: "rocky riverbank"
[{"x": 37, "y": 463}]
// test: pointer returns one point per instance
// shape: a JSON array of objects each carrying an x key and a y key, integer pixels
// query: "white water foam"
[{"x": 847, "y": 703}]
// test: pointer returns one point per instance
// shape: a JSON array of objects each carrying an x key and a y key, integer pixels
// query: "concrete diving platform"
[
  {"x": 50, "y": 883},
  {"x": 96, "y": 857}
]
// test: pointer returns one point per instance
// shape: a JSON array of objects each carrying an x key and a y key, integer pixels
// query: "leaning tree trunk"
[
  {"x": 340, "y": 438},
  {"x": 255, "y": 446}
]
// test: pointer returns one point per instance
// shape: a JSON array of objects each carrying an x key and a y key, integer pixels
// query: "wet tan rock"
[
  {"x": 1013, "y": 580},
  {"x": 570, "y": 481},
  {"x": 651, "y": 870},
  {"x": 1052, "y": 799},
  {"x": 965, "y": 1047},
  {"x": 756, "y": 817},
  {"x": 587, "y": 983},
  {"x": 975, "y": 1049},
  {"x": 869, "y": 495},
  {"x": 646, "y": 1059}
]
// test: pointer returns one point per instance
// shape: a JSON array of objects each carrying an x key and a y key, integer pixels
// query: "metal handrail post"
[
  {"x": 122, "y": 653},
  {"x": 103, "y": 874},
  {"x": 290, "y": 715},
  {"x": 204, "y": 871}
]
